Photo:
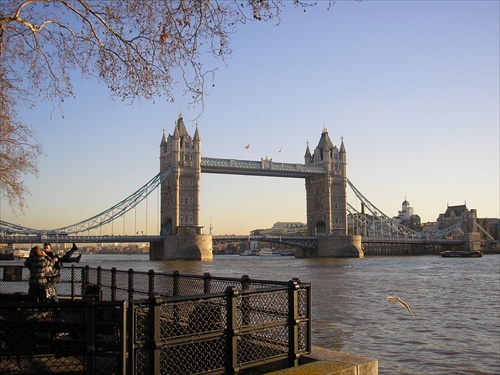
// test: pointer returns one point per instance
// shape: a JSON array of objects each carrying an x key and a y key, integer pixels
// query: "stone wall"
[
  {"x": 338, "y": 246},
  {"x": 188, "y": 247}
]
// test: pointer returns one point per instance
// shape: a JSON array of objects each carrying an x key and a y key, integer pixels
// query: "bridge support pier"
[
  {"x": 336, "y": 246},
  {"x": 187, "y": 247},
  {"x": 472, "y": 241}
]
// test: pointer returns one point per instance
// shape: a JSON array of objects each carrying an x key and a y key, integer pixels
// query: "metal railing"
[
  {"x": 85, "y": 336},
  {"x": 173, "y": 323}
]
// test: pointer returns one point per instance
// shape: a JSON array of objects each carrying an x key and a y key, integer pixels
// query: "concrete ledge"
[{"x": 329, "y": 362}]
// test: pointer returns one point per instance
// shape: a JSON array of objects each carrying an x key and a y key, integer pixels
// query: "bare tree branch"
[{"x": 135, "y": 47}]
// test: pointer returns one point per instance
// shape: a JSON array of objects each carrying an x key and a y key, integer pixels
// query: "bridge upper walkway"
[{"x": 265, "y": 167}]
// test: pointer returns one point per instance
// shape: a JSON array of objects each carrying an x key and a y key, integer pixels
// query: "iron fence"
[
  {"x": 169, "y": 323},
  {"x": 86, "y": 337}
]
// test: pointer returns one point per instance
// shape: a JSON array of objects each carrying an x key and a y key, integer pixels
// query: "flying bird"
[{"x": 399, "y": 300}]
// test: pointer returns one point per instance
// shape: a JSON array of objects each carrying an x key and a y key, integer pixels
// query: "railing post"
[
  {"x": 206, "y": 282},
  {"x": 90, "y": 365},
  {"x": 130, "y": 337},
  {"x": 99, "y": 281},
  {"x": 122, "y": 369},
  {"x": 73, "y": 282},
  {"x": 245, "y": 303},
  {"x": 231, "y": 331},
  {"x": 130, "y": 288},
  {"x": 85, "y": 277},
  {"x": 308, "y": 317},
  {"x": 155, "y": 344},
  {"x": 113, "y": 284},
  {"x": 293, "y": 323},
  {"x": 151, "y": 282},
  {"x": 176, "y": 276}
]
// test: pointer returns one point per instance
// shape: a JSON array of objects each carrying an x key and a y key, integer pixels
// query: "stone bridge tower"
[
  {"x": 327, "y": 194},
  {"x": 326, "y": 197},
  {"x": 180, "y": 197}
]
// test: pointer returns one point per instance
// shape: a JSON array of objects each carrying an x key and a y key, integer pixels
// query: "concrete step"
[{"x": 330, "y": 362}]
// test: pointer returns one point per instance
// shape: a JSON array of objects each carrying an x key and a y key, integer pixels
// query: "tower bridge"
[{"x": 334, "y": 227}]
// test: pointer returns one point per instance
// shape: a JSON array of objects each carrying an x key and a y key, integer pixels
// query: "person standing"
[{"x": 38, "y": 263}]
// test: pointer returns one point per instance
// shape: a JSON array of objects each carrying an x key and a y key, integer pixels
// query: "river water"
[{"x": 456, "y": 303}]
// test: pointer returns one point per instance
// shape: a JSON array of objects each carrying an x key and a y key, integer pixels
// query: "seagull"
[{"x": 399, "y": 300}]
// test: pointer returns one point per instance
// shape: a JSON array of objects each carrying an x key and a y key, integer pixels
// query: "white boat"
[{"x": 267, "y": 251}]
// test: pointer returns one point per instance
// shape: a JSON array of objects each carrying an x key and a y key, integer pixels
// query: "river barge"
[{"x": 461, "y": 254}]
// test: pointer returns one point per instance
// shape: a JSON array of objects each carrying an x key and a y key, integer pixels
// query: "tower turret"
[{"x": 307, "y": 156}]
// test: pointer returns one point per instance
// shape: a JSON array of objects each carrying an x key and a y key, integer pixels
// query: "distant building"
[
  {"x": 407, "y": 218},
  {"x": 452, "y": 215},
  {"x": 283, "y": 228}
]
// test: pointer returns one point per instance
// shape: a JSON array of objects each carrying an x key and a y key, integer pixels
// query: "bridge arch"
[{"x": 320, "y": 229}]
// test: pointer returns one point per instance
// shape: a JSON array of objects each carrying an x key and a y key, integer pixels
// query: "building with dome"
[{"x": 406, "y": 217}]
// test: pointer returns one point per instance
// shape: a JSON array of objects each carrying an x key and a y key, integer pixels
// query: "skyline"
[{"x": 411, "y": 87}]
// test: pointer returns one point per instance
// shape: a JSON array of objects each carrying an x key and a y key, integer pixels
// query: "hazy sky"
[{"x": 411, "y": 86}]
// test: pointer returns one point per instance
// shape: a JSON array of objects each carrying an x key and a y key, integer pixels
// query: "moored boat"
[
  {"x": 267, "y": 251},
  {"x": 461, "y": 254},
  {"x": 287, "y": 253}
]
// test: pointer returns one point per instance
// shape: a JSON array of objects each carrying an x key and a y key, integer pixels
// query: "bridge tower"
[
  {"x": 327, "y": 194},
  {"x": 326, "y": 197},
  {"x": 180, "y": 197}
]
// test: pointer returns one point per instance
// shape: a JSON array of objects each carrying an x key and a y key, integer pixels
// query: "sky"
[{"x": 412, "y": 87}]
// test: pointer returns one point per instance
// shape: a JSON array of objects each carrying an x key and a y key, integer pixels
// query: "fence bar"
[
  {"x": 73, "y": 283},
  {"x": 99, "y": 280},
  {"x": 245, "y": 303},
  {"x": 151, "y": 282},
  {"x": 176, "y": 277},
  {"x": 308, "y": 317},
  {"x": 123, "y": 340},
  {"x": 89, "y": 335},
  {"x": 130, "y": 288},
  {"x": 113, "y": 284},
  {"x": 154, "y": 303},
  {"x": 231, "y": 331},
  {"x": 206, "y": 282},
  {"x": 85, "y": 277},
  {"x": 293, "y": 323},
  {"x": 131, "y": 313}
]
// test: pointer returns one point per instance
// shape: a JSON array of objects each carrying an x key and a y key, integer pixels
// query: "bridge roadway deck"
[
  {"x": 77, "y": 239},
  {"x": 298, "y": 241},
  {"x": 311, "y": 242}
]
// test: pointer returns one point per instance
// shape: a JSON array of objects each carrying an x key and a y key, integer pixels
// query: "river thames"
[{"x": 456, "y": 303}]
